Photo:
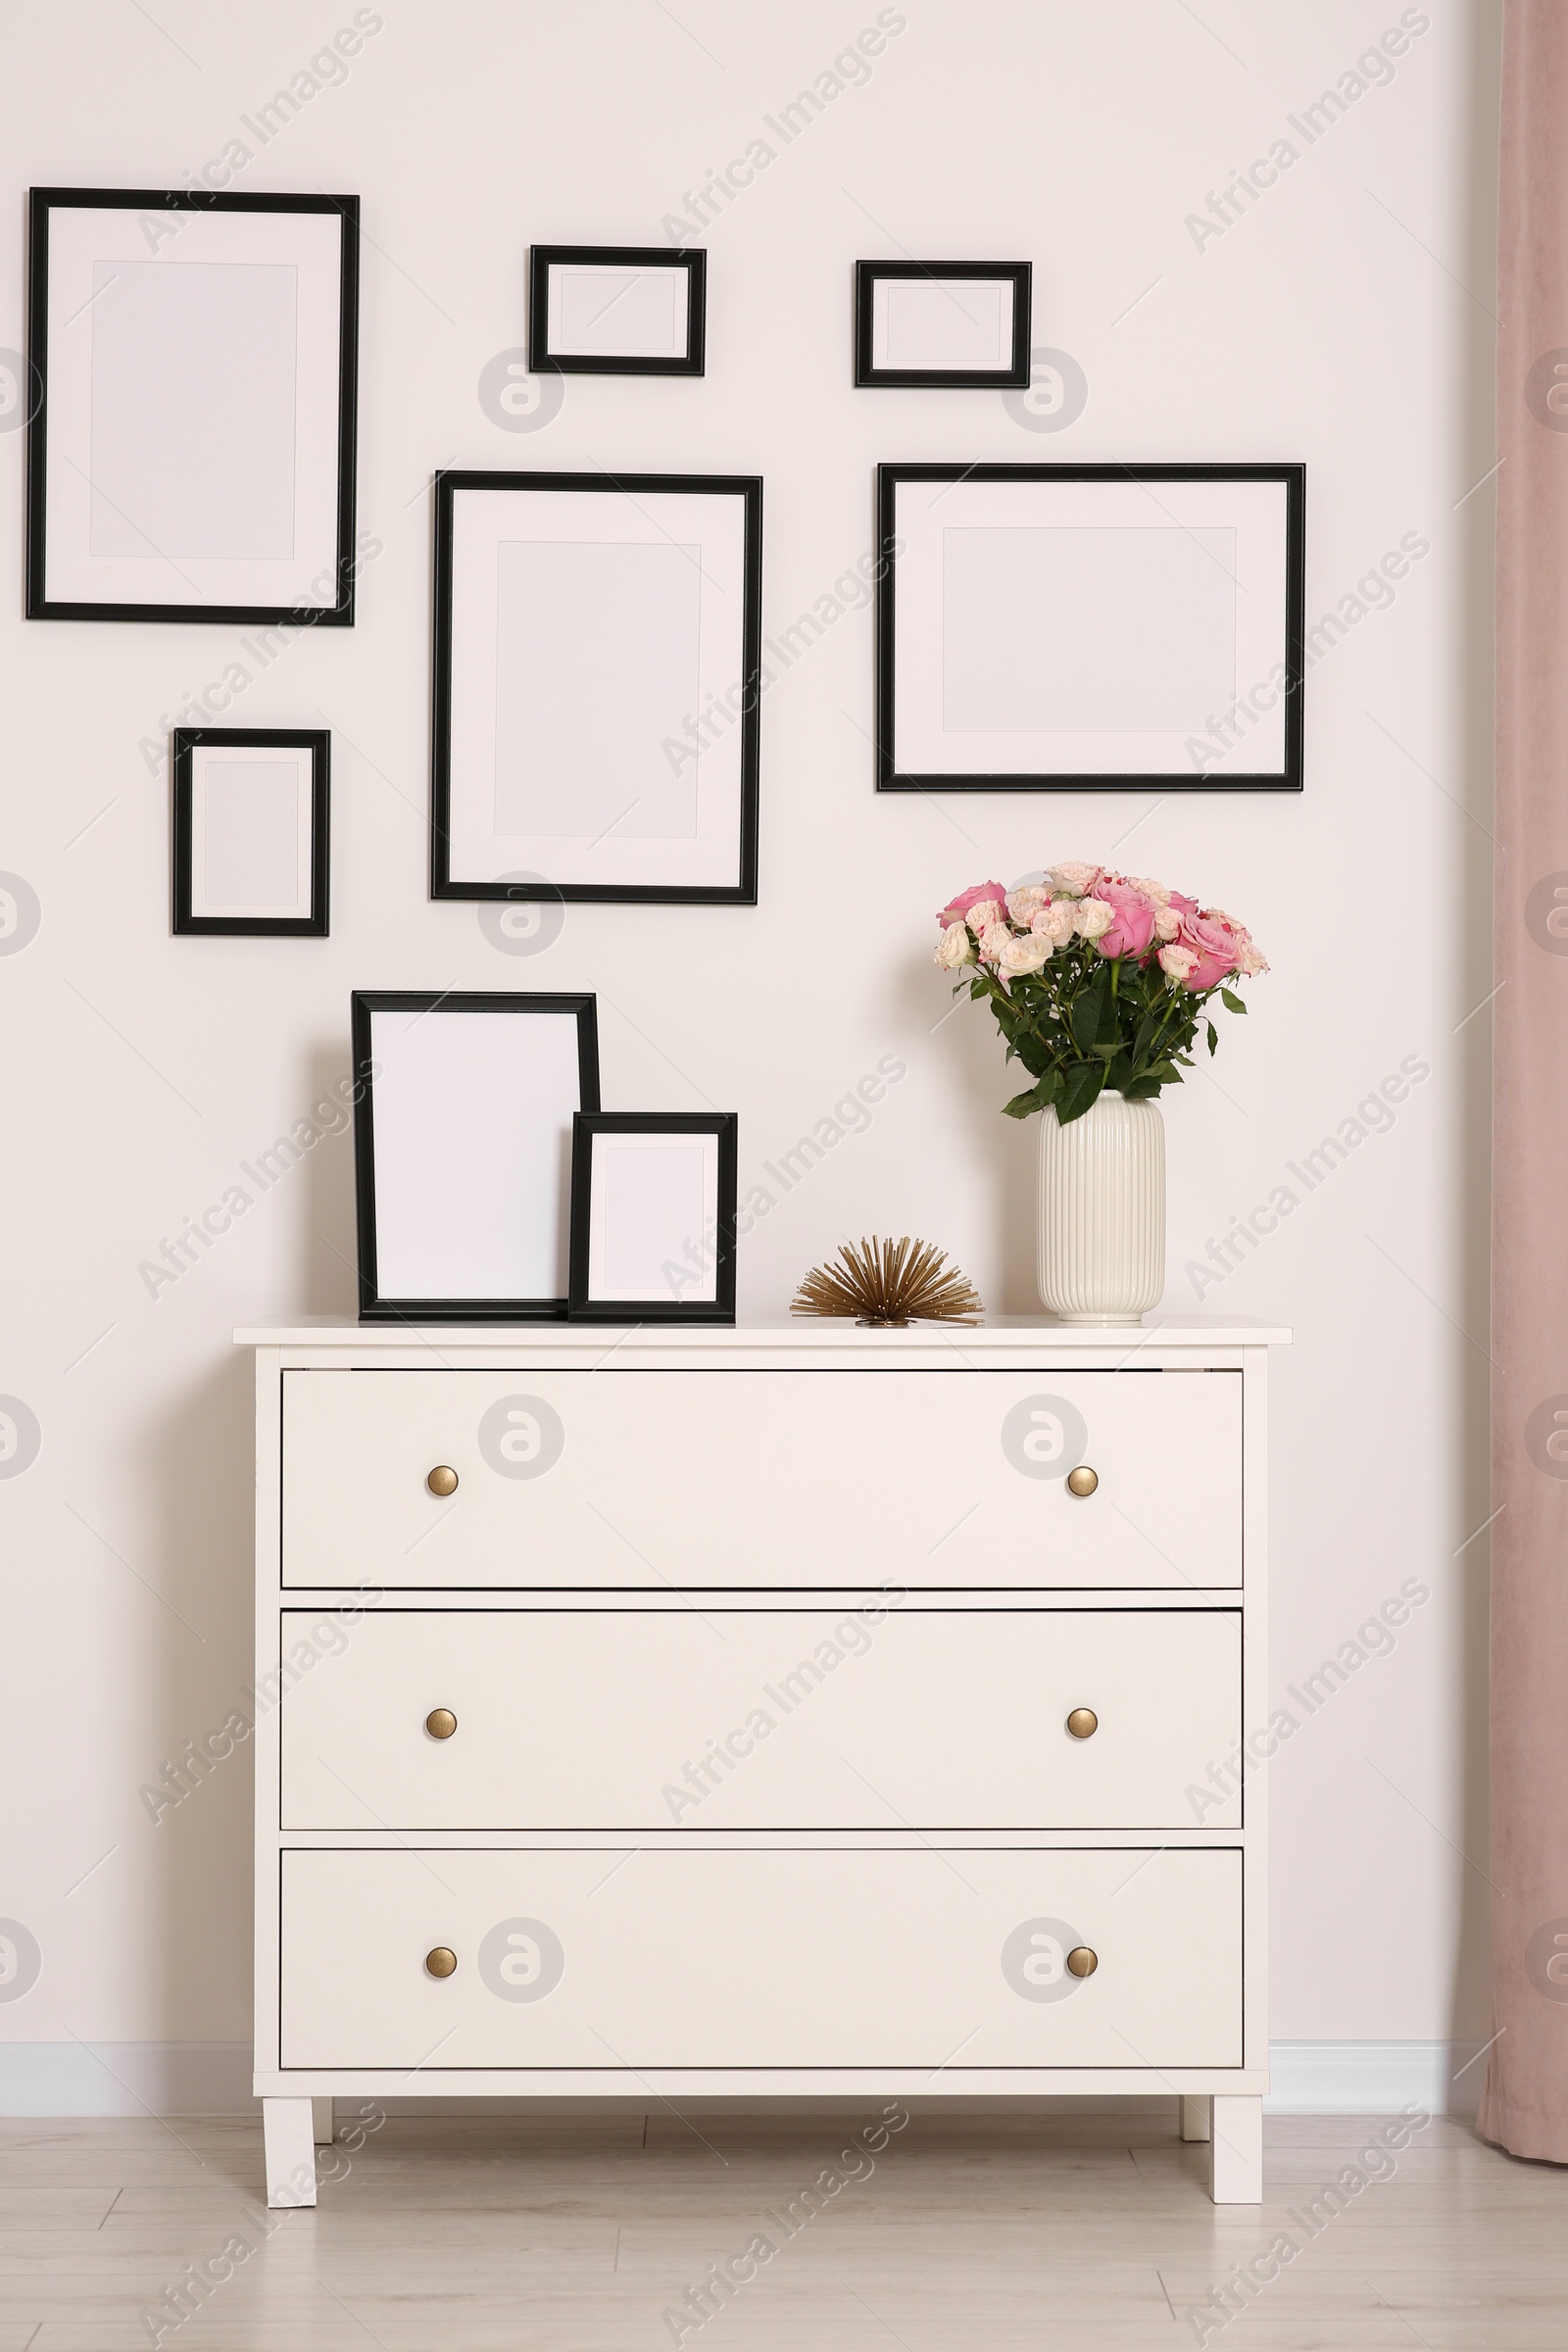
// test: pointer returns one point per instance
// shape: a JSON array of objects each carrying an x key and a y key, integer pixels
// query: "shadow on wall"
[
  {"x": 197, "y": 1800},
  {"x": 965, "y": 1054}
]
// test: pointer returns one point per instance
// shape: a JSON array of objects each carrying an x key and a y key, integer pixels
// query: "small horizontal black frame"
[
  {"x": 991, "y": 379},
  {"x": 339, "y": 613},
  {"x": 542, "y": 259},
  {"x": 449, "y": 485},
  {"x": 891, "y": 778},
  {"x": 720, "y": 1308},
  {"x": 186, "y": 742},
  {"x": 373, "y": 1307}
]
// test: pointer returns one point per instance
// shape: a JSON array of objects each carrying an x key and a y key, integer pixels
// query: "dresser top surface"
[{"x": 810, "y": 1332}]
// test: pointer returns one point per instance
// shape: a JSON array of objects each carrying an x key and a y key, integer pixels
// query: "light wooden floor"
[{"x": 495, "y": 2235}]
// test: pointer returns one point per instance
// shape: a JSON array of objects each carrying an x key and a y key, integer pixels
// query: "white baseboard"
[
  {"x": 214, "y": 2077},
  {"x": 1374, "y": 2078},
  {"x": 125, "y": 2078}
]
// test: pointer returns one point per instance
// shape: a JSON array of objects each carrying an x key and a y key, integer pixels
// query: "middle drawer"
[{"x": 879, "y": 1717}]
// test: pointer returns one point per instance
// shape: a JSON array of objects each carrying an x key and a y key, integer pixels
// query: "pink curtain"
[{"x": 1524, "y": 2103}]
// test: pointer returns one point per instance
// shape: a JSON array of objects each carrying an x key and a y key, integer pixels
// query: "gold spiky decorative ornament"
[{"x": 889, "y": 1284}]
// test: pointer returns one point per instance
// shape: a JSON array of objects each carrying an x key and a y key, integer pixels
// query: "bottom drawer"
[{"x": 789, "y": 1957}]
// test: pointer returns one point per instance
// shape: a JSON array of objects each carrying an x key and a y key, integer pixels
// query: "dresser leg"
[
  {"x": 1236, "y": 2156},
  {"x": 290, "y": 2151},
  {"x": 322, "y": 2123},
  {"x": 1195, "y": 2119}
]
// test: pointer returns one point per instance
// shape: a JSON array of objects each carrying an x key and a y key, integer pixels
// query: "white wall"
[{"x": 1343, "y": 319}]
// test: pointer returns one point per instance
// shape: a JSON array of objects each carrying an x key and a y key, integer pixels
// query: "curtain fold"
[{"x": 1525, "y": 2100}]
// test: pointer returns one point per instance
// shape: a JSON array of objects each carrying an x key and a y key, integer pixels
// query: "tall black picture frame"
[
  {"x": 92, "y": 555},
  {"x": 462, "y": 1150},
  {"x": 624, "y": 671}
]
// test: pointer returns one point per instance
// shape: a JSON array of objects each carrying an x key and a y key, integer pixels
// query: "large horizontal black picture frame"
[
  {"x": 912, "y": 619},
  {"x": 463, "y": 791},
  {"x": 187, "y": 743},
  {"x": 577, "y": 1064},
  {"x": 717, "y": 1244},
  {"x": 544, "y": 358},
  {"x": 870, "y": 372},
  {"x": 162, "y": 213}
]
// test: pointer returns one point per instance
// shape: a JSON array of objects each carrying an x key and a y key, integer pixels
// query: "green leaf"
[
  {"x": 1089, "y": 1010},
  {"x": 1034, "y": 1098},
  {"x": 1213, "y": 1039},
  {"x": 1231, "y": 1000},
  {"x": 1080, "y": 1091}
]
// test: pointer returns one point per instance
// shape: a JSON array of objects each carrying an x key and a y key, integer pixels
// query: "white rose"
[
  {"x": 1176, "y": 963},
  {"x": 981, "y": 918},
  {"x": 1025, "y": 955},
  {"x": 1167, "y": 922},
  {"x": 1054, "y": 923},
  {"x": 1074, "y": 880},
  {"x": 1092, "y": 919},
  {"x": 1251, "y": 960},
  {"x": 1025, "y": 904},
  {"x": 954, "y": 947},
  {"x": 994, "y": 940},
  {"x": 1151, "y": 890}
]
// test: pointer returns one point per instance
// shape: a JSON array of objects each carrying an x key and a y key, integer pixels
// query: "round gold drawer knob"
[
  {"x": 442, "y": 1961},
  {"x": 1083, "y": 1722},
  {"x": 443, "y": 1479},
  {"x": 441, "y": 1723},
  {"x": 1081, "y": 1961},
  {"x": 1082, "y": 1480}
]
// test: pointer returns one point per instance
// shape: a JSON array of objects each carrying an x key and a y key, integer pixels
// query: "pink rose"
[
  {"x": 1215, "y": 948},
  {"x": 1181, "y": 905},
  {"x": 1134, "y": 924},
  {"x": 983, "y": 894},
  {"x": 1151, "y": 890}
]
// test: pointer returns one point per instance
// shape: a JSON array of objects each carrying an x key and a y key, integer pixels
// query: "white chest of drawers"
[{"x": 729, "y": 1713}]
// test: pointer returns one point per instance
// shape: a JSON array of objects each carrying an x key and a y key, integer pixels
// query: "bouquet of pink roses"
[{"x": 1096, "y": 980}]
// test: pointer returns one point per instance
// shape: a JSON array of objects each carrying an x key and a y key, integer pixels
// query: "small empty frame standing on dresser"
[{"x": 947, "y": 1845}]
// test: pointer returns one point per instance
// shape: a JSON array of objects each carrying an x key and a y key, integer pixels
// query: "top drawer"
[{"x": 801, "y": 1480}]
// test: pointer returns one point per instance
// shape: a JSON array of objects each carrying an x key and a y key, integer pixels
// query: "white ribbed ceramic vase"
[{"x": 1102, "y": 1211}]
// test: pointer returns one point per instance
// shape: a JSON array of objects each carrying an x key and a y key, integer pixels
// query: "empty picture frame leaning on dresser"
[
  {"x": 653, "y": 1217},
  {"x": 191, "y": 454},
  {"x": 462, "y": 1112}
]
